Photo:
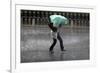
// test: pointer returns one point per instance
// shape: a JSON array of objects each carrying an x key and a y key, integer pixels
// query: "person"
[{"x": 55, "y": 35}]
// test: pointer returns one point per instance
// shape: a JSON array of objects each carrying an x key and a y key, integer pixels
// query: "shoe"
[
  {"x": 51, "y": 52},
  {"x": 63, "y": 50}
]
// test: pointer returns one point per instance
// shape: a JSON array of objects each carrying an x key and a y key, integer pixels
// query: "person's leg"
[
  {"x": 61, "y": 42},
  {"x": 53, "y": 44}
]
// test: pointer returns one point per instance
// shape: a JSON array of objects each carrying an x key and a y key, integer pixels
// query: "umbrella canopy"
[{"x": 58, "y": 20}]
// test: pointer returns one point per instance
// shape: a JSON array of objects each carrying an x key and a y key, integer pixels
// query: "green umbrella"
[{"x": 58, "y": 20}]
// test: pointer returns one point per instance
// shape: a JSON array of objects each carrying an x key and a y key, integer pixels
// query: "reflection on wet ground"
[{"x": 35, "y": 43}]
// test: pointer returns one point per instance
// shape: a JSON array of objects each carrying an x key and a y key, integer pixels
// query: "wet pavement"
[{"x": 35, "y": 43}]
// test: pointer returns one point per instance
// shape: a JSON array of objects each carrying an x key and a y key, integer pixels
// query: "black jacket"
[{"x": 54, "y": 29}]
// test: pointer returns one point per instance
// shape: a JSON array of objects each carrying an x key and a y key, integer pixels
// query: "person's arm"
[
  {"x": 50, "y": 26},
  {"x": 54, "y": 29}
]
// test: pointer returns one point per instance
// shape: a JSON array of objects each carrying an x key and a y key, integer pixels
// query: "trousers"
[{"x": 55, "y": 41}]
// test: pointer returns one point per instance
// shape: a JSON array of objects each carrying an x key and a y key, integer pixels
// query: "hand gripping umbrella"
[{"x": 58, "y": 20}]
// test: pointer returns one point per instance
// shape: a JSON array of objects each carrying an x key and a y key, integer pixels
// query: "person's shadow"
[
  {"x": 60, "y": 57},
  {"x": 52, "y": 56}
]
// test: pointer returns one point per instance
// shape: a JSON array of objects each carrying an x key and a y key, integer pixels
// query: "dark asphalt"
[{"x": 35, "y": 43}]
